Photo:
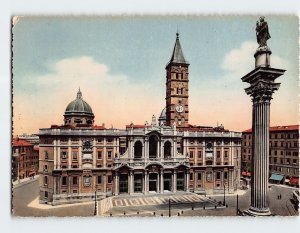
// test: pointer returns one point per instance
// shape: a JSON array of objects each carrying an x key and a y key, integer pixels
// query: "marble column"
[
  {"x": 116, "y": 183},
  {"x": 174, "y": 181},
  {"x": 131, "y": 182},
  {"x": 104, "y": 183},
  {"x": 161, "y": 181},
  {"x": 262, "y": 86}
]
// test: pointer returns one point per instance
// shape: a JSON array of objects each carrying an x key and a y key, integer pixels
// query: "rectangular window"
[
  {"x": 294, "y": 161},
  {"x": 99, "y": 140},
  {"x": 109, "y": 140},
  {"x": 218, "y": 154},
  {"x": 46, "y": 155},
  {"x": 74, "y": 180},
  {"x": 46, "y": 180},
  {"x": 191, "y": 176},
  {"x": 99, "y": 155},
  {"x": 225, "y": 175},
  {"x": 218, "y": 175},
  {"x": 199, "y": 154},
  {"x": 226, "y": 154},
  {"x": 87, "y": 181},
  {"x": 109, "y": 179},
  {"x": 109, "y": 155},
  {"x": 74, "y": 155},
  {"x": 99, "y": 179},
  {"x": 191, "y": 154},
  {"x": 64, "y": 154},
  {"x": 275, "y": 152},
  {"x": 45, "y": 167},
  {"x": 199, "y": 176},
  {"x": 64, "y": 180}
]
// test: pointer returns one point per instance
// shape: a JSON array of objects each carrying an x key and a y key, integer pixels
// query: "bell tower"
[{"x": 177, "y": 89}]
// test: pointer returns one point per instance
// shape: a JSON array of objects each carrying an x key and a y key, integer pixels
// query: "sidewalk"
[
  {"x": 283, "y": 186},
  {"x": 240, "y": 192},
  {"x": 22, "y": 182}
]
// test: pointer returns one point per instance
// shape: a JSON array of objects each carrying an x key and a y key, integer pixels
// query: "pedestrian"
[{"x": 280, "y": 196}]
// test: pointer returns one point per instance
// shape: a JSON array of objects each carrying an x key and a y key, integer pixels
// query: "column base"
[{"x": 257, "y": 212}]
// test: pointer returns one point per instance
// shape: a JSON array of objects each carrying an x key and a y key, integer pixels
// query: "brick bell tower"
[{"x": 177, "y": 89}]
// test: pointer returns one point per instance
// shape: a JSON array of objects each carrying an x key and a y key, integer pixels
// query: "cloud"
[
  {"x": 230, "y": 105},
  {"x": 81, "y": 67},
  {"x": 240, "y": 61},
  {"x": 112, "y": 97}
]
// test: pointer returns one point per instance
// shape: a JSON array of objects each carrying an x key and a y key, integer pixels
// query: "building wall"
[
  {"x": 284, "y": 151},
  {"x": 69, "y": 172},
  {"x": 25, "y": 159}
]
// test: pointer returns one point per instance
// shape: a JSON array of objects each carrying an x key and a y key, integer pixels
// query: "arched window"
[
  {"x": 167, "y": 150},
  {"x": 138, "y": 150},
  {"x": 153, "y": 140},
  {"x": 46, "y": 180}
]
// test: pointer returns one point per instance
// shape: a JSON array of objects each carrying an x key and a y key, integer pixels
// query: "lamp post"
[
  {"x": 169, "y": 207},
  {"x": 237, "y": 204},
  {"x": 224, "y": 196},
  {"x": 95, "y": 211}
]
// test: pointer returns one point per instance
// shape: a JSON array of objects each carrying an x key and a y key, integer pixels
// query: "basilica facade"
[{"x": 79, "y": 159}]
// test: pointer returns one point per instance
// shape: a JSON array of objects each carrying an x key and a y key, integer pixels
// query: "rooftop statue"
[{"x": 262, "y": 32}]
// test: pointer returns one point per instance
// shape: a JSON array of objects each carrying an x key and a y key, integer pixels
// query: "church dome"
[
  {"x": 79, "y": 106},
  {"x": 79, "y": 112},
  {"x": 162, "y": 118}
]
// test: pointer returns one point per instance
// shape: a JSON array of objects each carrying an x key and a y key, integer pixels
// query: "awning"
[
  {"x": 246, "y": 173},
  {"x": 31, "y": 173},
  {"x": 294, "y": 181},
  {"x": 276, "y": 177}
]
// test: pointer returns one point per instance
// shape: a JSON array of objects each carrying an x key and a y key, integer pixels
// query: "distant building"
[
  {"x": 33, "y": 139},
  {"x": 80, "y": 158},
  {"x": 284, "y": 154},
  {"x": 25, "y": 159}
]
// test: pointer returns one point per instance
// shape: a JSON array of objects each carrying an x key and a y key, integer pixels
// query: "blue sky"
[{"x": 130, "y": 54}]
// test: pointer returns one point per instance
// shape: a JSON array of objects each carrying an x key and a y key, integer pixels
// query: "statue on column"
[{"x": 262, "y": 32}]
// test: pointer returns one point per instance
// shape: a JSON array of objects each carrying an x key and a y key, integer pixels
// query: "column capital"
[{"x": 261, "y": 91}]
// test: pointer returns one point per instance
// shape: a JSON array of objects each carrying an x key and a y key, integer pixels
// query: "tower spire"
[{"x": 177, "y": 55}]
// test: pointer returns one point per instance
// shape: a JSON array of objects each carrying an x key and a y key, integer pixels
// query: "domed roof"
[
  {"x": 163, "y": 114},
  {"x": 79, "y": 106}
]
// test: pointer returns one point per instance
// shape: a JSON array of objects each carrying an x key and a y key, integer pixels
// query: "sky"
[{"x": 119, "y": 65}]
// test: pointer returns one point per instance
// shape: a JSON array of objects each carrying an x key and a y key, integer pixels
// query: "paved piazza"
[
  {"x": 25, "y": 203},
  {"x": 160, "y": 200}
]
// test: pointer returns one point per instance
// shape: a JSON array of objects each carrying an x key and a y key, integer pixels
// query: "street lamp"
[
  {"x": 169, "y": 207},
  {"x": 224, "y": 196},
  {"x": 237, "y": 204},
  {"x": 95, "y": 211}
]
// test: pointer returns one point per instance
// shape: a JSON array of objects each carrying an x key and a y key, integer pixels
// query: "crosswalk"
[{"x": 157, "y": 200}]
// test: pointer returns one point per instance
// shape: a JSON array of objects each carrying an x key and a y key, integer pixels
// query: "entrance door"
[
  {"x": 180, "y": 181},
  {"x": 138, "y": 184},
  {"x": 168, "y": 182},
  {"x": 123, "y": 183},
  {"x": 152, "y": 182}
]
